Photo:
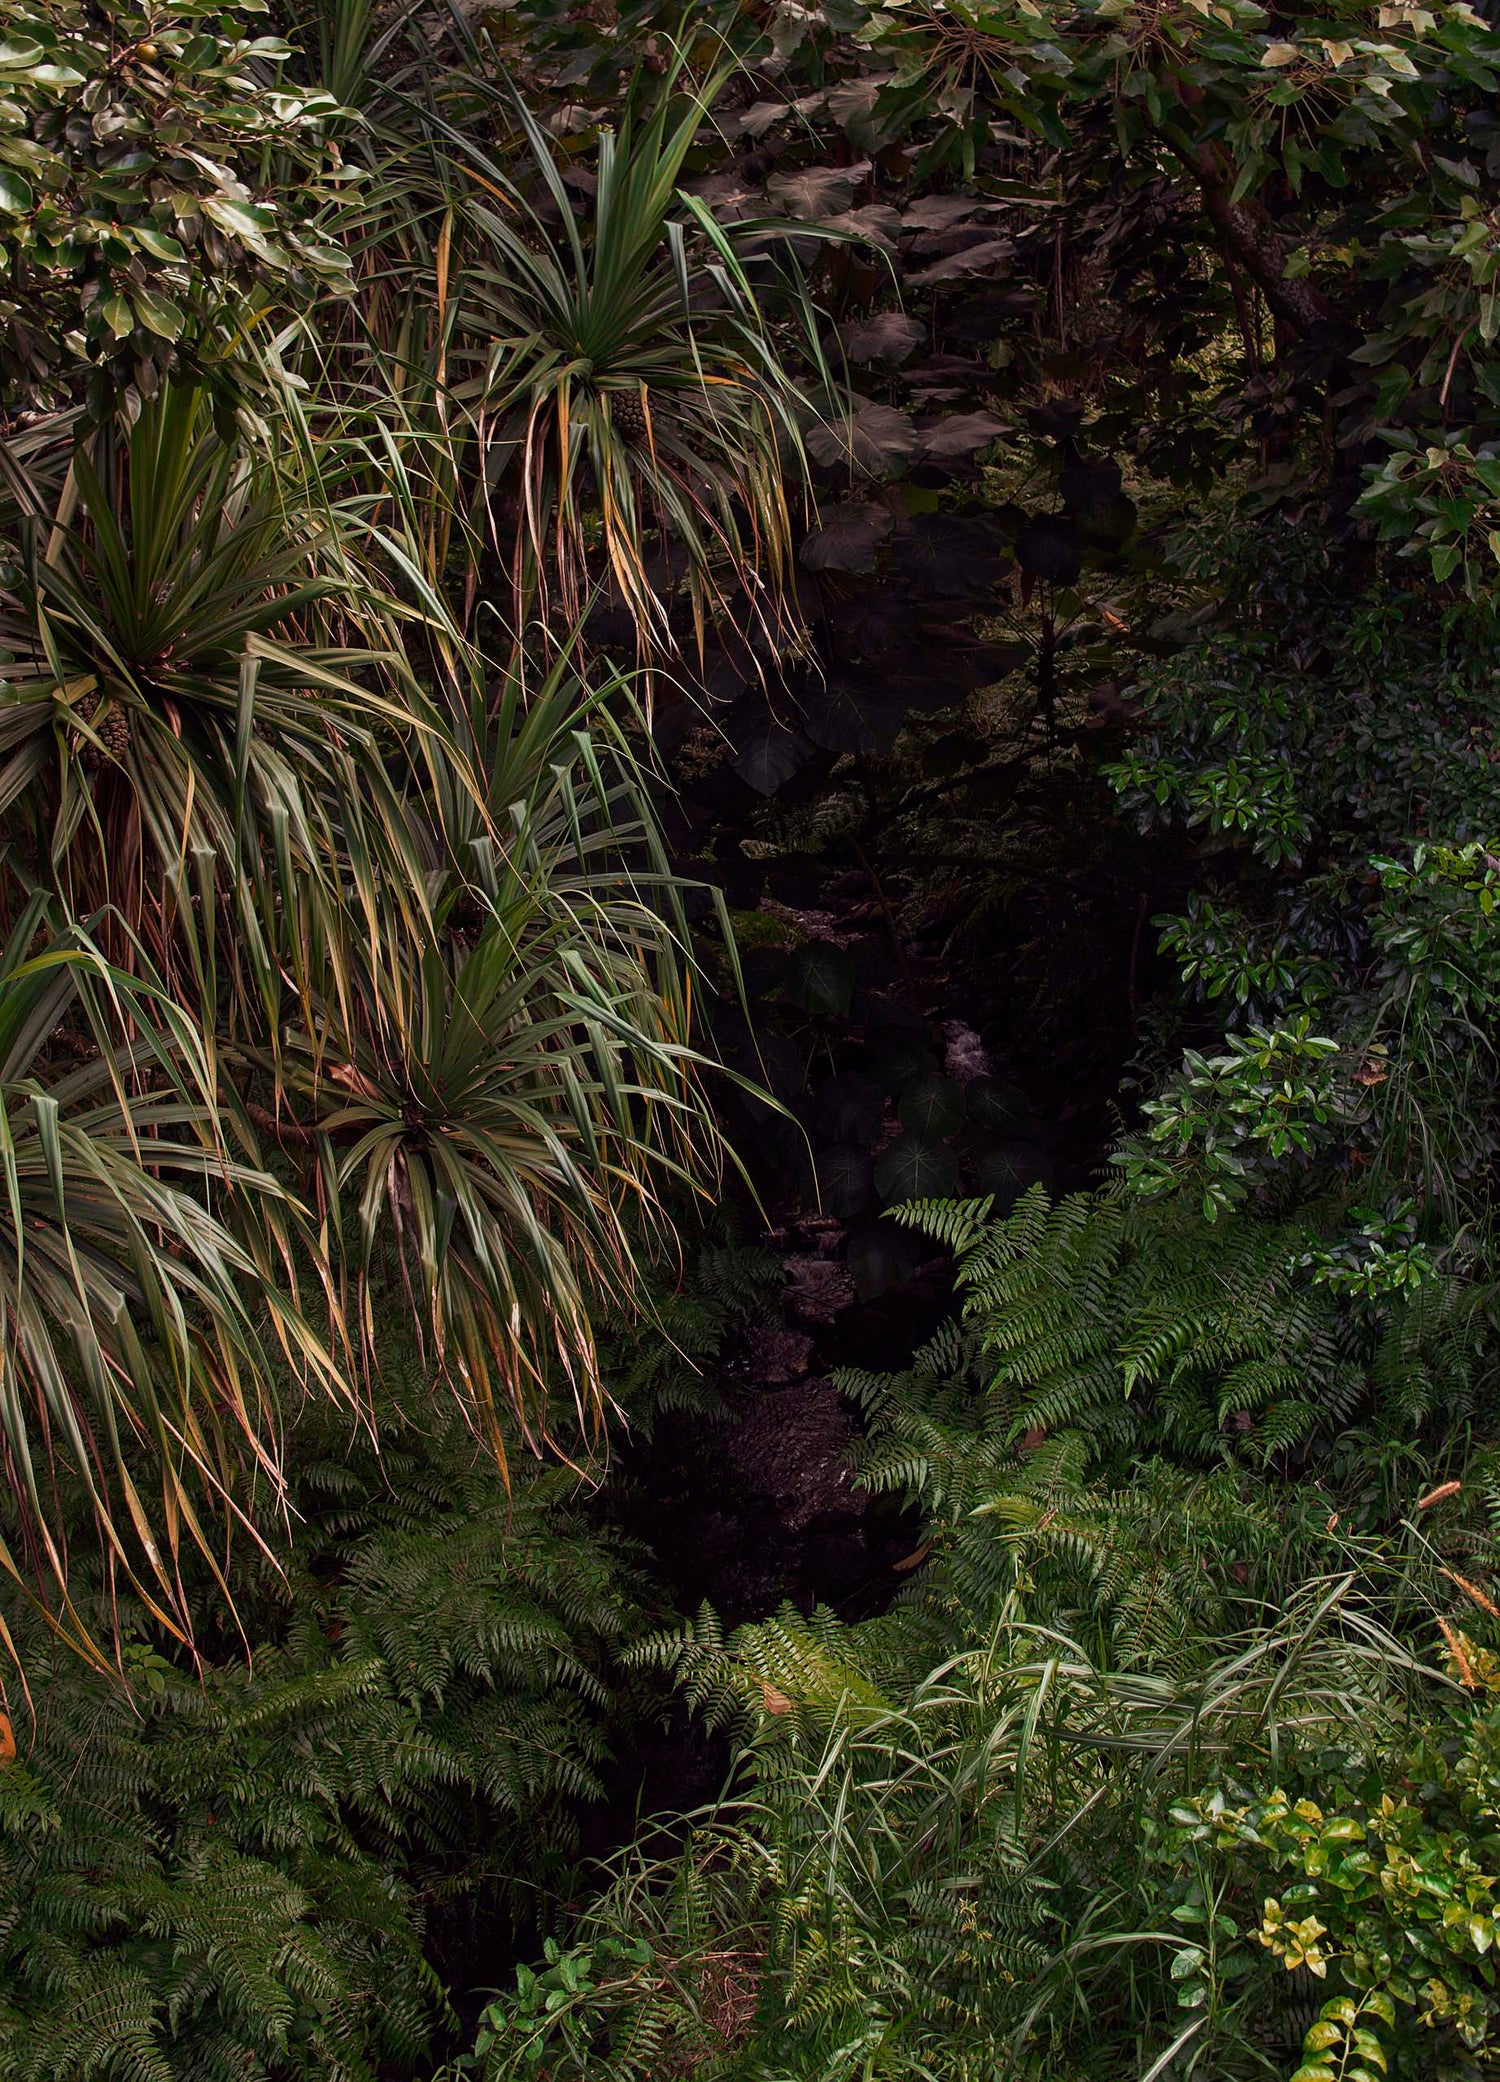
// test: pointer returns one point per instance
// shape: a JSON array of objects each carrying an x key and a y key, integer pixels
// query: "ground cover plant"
[{"x": 761, "y": 732}]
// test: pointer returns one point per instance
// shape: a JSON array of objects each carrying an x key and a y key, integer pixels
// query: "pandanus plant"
[
  {"x": 415, "y": 972},
  {"x": 632, "y": 409},
  {"x": 496, "y": 1113},
  {"x": 194, "y": 706},
  {"x": 148, "y": 1277}
]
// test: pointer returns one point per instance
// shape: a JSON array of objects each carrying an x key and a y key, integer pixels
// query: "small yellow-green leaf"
[{"x": 1344, "y": 1829}]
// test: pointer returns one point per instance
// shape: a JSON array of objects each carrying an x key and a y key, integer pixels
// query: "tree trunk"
[{"x": 1249, "y": 240}]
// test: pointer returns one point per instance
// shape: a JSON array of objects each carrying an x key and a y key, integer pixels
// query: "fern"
[
  {"x": 670, "y": 1373},
  {"x": 241, "y": 1870},
  {"x": 1148, "y": 1329}
]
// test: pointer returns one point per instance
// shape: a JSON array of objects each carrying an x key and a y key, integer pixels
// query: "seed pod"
[
  {"x": 89, "y": 755},
  {"x": 110, "y": 723},
  {"x": 114, "y": 730},
  {"x": 628, "y": 411}
]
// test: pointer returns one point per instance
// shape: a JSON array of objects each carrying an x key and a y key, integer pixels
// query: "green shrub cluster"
[{"x": 1185, "y": 1766}]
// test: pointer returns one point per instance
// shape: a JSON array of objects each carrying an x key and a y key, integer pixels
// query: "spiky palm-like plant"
[
  {"x": 147, "y": 1296},
  {"x": 195, "y": 703},
  {"x": 499, "y": 1108},
  {"x": 626, "y": 386},
  {"x": 424, "y": 944}
]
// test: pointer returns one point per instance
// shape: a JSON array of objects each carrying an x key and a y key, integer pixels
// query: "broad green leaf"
[
  {"x": 245, "y": 220},
  {"x": 158, "y": 314},
  {"x": 912, "y": 1169},
  {"x": 822, "y": 977},
  {"x": 160, "y": 244},
  {"x": 846, "y": 1179},
  {"x": 932, "y": 1106}
]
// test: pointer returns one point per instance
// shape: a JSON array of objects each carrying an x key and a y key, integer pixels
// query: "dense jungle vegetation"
[{"x": 749, "y": 1002}]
